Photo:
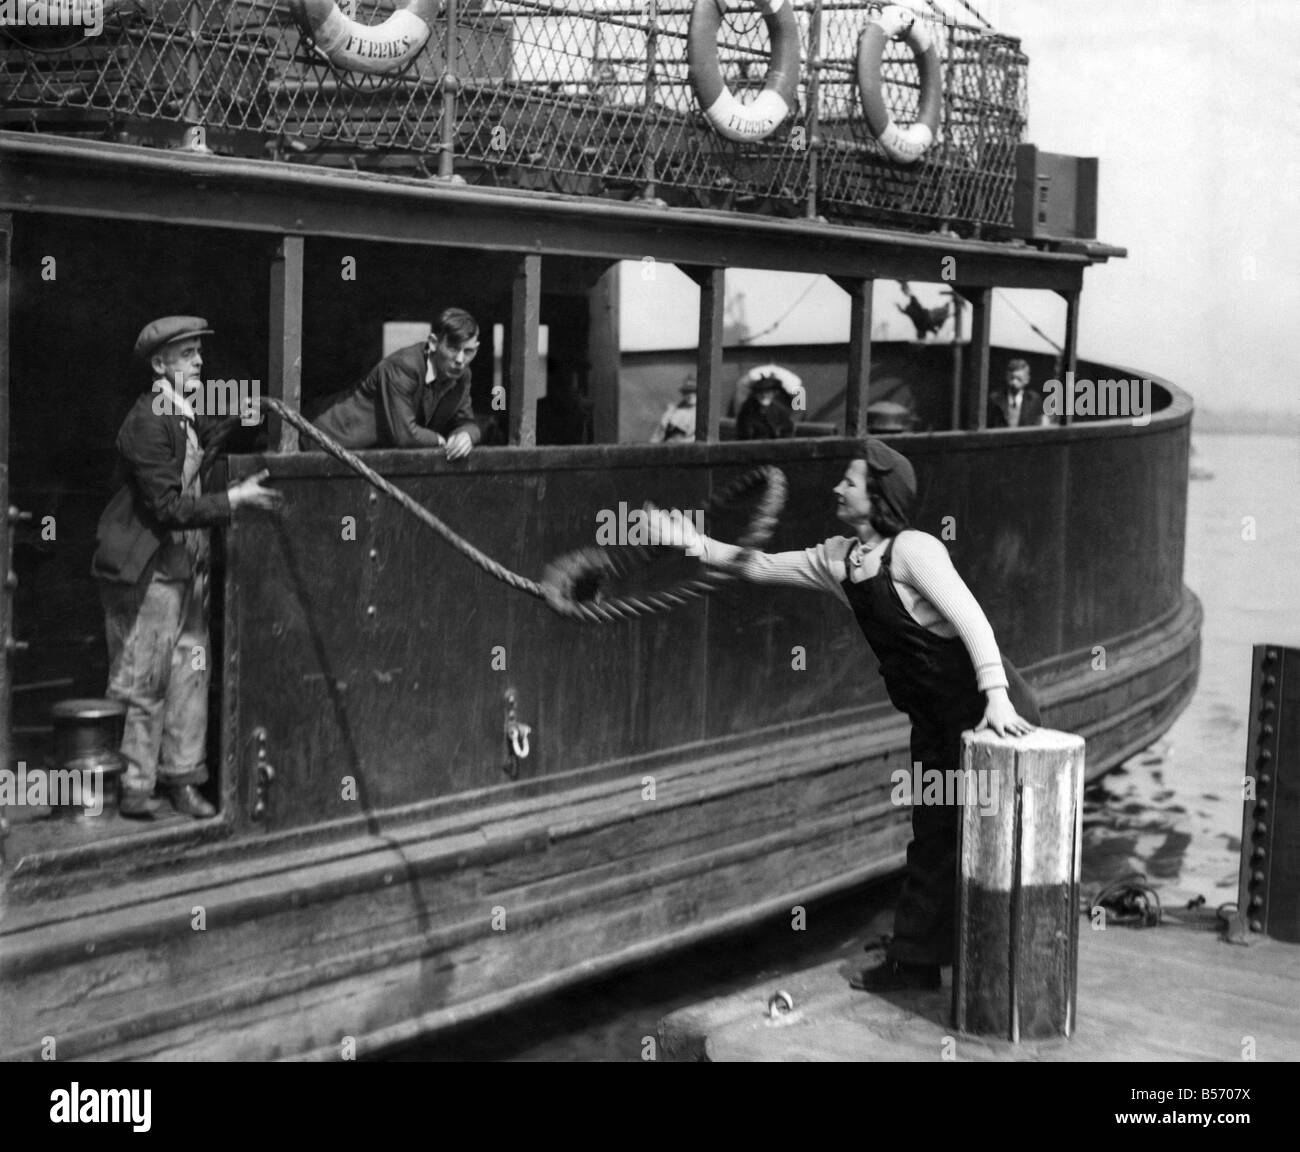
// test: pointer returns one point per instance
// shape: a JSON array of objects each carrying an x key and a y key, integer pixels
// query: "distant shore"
[{"x": 1256, "y": 423}]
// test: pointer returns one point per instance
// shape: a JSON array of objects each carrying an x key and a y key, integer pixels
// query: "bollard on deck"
[{"x": 1016, "y": 969}]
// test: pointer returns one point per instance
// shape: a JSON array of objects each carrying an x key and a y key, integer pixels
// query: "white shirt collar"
[{"x": 180, "y": 405}]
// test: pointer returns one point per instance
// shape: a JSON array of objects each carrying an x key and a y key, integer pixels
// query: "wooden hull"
[{"x": 406, "y": 917}]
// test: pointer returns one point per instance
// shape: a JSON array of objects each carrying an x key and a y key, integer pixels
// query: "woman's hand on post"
[{"x": 1001, "y": 716}]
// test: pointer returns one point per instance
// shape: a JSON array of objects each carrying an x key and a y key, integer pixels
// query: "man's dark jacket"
[
  {"x": 1031, "y": 409},
  {"x": 393, "y": 407},
  {"x": 150, "y": 504}
]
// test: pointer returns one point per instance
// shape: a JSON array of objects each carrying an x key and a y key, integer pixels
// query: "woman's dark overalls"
[{"x": 932, "y": 680}]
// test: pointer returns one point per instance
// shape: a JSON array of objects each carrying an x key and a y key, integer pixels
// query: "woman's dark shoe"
[
  {"x": 895, "y": 976},
  {"x": 186, "y": 800}
]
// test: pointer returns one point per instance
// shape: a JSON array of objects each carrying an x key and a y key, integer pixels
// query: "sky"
[{"x": 1193, "y": 107}]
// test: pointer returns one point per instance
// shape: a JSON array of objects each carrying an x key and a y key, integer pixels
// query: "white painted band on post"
[{"x": 1045, "y": 769}]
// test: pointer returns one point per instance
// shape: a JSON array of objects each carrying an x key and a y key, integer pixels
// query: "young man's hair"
[
  {"x": 456, "y": 326},
  {"x": 882, "y": 518},
  {"x": 1017, "y": 365}
]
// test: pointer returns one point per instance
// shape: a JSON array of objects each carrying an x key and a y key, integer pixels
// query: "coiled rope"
[
  {"x": 1128, "y": 900},
  {"x": 581, "y": 570}
]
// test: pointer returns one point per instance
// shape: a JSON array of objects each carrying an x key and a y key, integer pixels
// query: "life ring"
[
  {"x": 762, "y": 115},
  {"x": 386, "y": 47},
  {"x": 903, "y": 145}
]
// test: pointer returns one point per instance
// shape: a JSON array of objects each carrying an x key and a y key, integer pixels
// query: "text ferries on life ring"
[{"x": 386, "y": 47}]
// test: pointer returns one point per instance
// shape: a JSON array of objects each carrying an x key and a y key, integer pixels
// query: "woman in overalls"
[{"x": 938, "y": 658}]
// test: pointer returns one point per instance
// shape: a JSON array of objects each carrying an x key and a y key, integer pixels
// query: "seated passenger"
[
  {"x": 677, "y": 424},
  {"x": 764, "y": 416},
  {"x": 419, "y": 397}
]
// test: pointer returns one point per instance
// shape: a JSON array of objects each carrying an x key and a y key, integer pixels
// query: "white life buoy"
[
  {"x": 903, "y": 145},
  {"x": 762, "y": 115},
  {"x": 386, "y": 47}
]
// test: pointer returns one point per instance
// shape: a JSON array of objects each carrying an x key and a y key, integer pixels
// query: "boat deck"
[{"x": 1178, "y": 992}]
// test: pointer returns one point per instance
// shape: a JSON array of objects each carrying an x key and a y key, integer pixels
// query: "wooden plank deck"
[{"x": 1173, "y": 993}]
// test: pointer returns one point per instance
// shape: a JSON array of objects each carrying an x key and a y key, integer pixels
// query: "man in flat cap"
[
  {"x": 152, "y": 566},
  {"x": 419, "y": 397}
]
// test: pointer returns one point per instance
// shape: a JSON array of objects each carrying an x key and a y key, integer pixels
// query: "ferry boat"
[{"x": 389, "y": 856}]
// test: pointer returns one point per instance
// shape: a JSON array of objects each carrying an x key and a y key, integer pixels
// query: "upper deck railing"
[{"x": 590, "y": 97}]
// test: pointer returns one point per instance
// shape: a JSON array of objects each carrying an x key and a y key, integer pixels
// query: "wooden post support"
[
  {"x": 708, "y": 371},
  {"x": 1016, "y": 969},
  {"x": 977, "y": 390},
  {"x": 857, "y": 392},
  {"x": 526, "y": 378},
  {"x": 285, "y": 380},
  {"x": 603, "y": 357},
  {"x": 1070, "y": 353}
]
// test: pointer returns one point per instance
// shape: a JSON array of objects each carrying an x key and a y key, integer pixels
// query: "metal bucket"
[{"x": 87, "y": 736}]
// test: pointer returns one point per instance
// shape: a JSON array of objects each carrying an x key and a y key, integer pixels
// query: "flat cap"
[
  {"x": 894, "y": 475},
  {"x": 166, "y": 330}
]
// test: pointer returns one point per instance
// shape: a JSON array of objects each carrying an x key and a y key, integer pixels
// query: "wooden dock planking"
[{"x": 1173, "y": 993}]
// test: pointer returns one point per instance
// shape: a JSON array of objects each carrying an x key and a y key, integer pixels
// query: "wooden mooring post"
[{"x": 1016, "y": 968}]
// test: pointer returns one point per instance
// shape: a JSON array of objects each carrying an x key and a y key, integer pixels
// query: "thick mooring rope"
[{"x": 557, "y": 588}]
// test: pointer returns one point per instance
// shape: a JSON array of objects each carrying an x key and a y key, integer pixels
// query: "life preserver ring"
[
  {"x": 762, "y": 115},
  {"x": 903, "y": 145},
  {"x": 386, "y": 47}
]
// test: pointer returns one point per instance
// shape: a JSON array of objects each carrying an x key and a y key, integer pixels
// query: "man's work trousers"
[{"x": 158, "y": 667}]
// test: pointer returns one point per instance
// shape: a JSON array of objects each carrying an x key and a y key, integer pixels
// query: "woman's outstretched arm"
[{"x": 820, "y": 568}]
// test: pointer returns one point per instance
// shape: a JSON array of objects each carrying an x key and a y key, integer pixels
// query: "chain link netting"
[{"x": 589, "y": 97}]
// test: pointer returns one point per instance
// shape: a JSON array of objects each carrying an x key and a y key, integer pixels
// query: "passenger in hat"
[
  {"x": 419, "y": 397},
  {"x": 937, "y": 655},
  {"x": 152, "y": 563},
  {"x": 764, "y": 415},
  {"x": 677, "y": 425}
]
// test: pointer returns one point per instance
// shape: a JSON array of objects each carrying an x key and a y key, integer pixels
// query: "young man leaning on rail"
[{"x": 419, "y": 397}]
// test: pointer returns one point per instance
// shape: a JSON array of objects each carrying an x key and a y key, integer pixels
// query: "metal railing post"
[
  {"x": 651, "y": 89},
  {"x": 814, "y": 140},
  {"x": 450, "y": 86}
]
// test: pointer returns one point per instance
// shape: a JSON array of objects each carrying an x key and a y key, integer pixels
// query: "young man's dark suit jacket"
[
  {"x": 1031, "y": 409},
  {"x": 150, "y": 504},
  {"x": 393, "y": 407}
]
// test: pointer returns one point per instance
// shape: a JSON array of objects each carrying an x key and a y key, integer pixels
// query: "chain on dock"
[{"x": 566, "y": 576}]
